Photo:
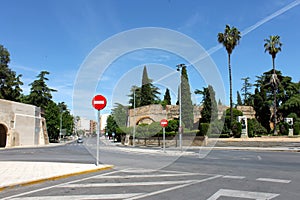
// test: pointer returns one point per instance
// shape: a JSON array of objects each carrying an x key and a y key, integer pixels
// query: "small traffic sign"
[
  {"x": 164, "y": 123},
  {"x": 99, "y": 102}
]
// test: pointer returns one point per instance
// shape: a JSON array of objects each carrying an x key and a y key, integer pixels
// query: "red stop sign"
[
  {"x": 99, "y": 102},
  {"x": 164, "y": 123}
]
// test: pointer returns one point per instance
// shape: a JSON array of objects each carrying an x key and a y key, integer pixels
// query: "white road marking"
[
  {"x": 74, "y": 197},
  {"x": 234, "y": 177},
  {"x": 172, "y": 188},
  {"x": 148, "y": 183},
  {"x": 137, "y": 170},
  {"x": 54, "y": 186},
  {"x": 259, "y": 157},
  {"x": 149, "y": 176},
  {"x": 243, "y": 194},
  {"x": 273, "y": 180}
]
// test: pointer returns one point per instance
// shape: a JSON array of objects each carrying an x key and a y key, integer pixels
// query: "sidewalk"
[{"x": 15, "y": 173}]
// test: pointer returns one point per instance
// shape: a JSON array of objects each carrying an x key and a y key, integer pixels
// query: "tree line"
[
  {"x": 273, "y": 90},
  {"x": 148, "y": 94},
  {"x": 275, "y": 96},
  {"x": 40, "y": 95}
]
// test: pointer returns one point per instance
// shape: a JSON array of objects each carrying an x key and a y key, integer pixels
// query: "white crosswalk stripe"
[
  {"x": 147, "y": 183},
  {"x": 131, "y": 181},
  {"x": 273, "y": 180},
  {"x": 79, "y": 197}
]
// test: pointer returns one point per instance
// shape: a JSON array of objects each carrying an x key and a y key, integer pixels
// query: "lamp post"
[
  {"x": 179, "y": 66},
  {"x": 60, "y": 126},
  {"x": 133, "y": 138}
]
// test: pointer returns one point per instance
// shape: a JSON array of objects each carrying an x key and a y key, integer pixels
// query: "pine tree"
[
  {"x": 9, "y": 81},
  {"x": 119, "y": 112},
  {"x": 245, "y": 89},
  {"x": 40, "y": 94}
]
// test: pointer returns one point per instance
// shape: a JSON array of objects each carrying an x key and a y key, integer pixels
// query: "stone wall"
[
  {"x": 155, "y": 113},
  {"x": 21, "y": 125},
  {"x": 248, "y": 111}
]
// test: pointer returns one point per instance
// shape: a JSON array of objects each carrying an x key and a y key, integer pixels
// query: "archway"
[
  {"x": 3, "y": 135},
  {"x": 145, "y": 120}
]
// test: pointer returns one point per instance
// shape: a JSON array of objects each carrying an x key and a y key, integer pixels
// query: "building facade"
[{"x": 21, "y": 125}]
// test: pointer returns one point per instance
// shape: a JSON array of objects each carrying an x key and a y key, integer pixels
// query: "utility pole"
[
  {"x": 133, "y": 138},
  {"x": 179, "y": 66},
  {"x": 60, "y": 126}
]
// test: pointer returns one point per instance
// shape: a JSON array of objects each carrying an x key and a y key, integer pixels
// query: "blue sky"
[{"x": 59, "y": 35}]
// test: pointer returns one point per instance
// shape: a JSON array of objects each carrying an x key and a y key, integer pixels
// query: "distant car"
[{"x": 79, "y": 140}]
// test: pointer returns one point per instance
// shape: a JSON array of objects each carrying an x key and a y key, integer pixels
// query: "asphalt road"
[{"x": 142, "y": 175}]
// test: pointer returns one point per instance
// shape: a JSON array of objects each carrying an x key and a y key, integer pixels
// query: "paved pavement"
[{"x": 16, "y": 173}]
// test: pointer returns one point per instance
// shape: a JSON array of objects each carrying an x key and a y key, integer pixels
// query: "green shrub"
[
  {"x": 255, "y": 128},
  {"x": 284, "y": 128},
  {"x": 227, "y": 129},
  {"x": 236, "y": 129},
  {"x": 297, "y": 128},
  {"x": 203, "y": 128},
  {"x": 213, "y": 128}
]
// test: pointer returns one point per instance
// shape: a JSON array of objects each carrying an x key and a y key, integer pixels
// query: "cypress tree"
[
  {"x": 209, "y": 111},
  {"x": 239, "y": 99},
  {"x": 186, "y": 101},
  {"x": 167, "y": 97},
  {"x": 148, "y": 91}
]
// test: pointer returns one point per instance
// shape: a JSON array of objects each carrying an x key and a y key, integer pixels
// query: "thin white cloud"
[
  {"x": 251, "y": 28},
  {"x": 270, "y": 17},
  {"x": 23, "y": 68}
]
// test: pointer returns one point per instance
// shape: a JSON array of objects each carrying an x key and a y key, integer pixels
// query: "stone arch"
[
  {"x": 3, "y": 135},
  {"x": 146, "y": 120}
]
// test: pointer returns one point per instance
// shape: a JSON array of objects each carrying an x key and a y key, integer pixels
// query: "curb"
[
  {"x": 267, "y": 149},
  {"x": 53, "y": 178},
  {"x": 39, "y": 146}
]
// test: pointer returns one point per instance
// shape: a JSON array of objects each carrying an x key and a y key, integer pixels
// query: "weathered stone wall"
[
  {"x": 155, "y": 113},
  {"x": 248, "y": 111},
  {"x": 23, "y": 124}
]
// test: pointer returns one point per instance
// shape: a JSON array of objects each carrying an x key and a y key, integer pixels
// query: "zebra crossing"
[{"x": 131, "y": 183}]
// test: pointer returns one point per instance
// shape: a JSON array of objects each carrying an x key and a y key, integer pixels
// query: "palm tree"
[
  {"x": 273, "y": 46},
  {"x": 230, "y": 39}
]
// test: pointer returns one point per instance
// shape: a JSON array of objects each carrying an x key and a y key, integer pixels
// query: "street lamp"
[
  {"x": 179, "y": 66},
  {"x": 60, "y": 125},
  {"x": 133, "y": 138}
]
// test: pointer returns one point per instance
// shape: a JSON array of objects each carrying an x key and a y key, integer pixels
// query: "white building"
[
  {"x": 103, "y": 122},
  {"x": 84, "y": 125}
]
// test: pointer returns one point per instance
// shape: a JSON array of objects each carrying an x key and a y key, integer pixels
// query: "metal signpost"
[
  {"x": 99, "y": 102},
  {"x": 164, "y": 123}
]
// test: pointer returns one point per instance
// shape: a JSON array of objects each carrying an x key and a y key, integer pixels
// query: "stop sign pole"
[
  {"x": 99, "y": 102},
  {"x": 164, "y": 123}
]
